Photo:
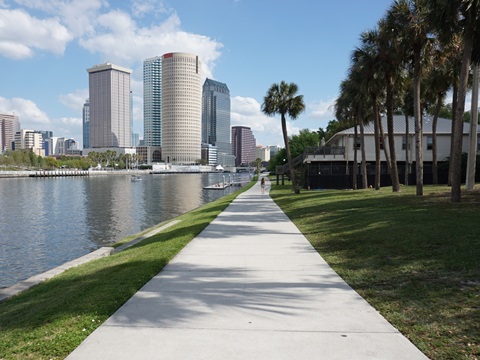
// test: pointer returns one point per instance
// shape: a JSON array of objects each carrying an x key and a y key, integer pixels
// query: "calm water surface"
[{"x": 47, "y": 222}]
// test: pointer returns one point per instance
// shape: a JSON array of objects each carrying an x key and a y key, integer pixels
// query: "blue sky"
[{"x": 46, "y": 47}]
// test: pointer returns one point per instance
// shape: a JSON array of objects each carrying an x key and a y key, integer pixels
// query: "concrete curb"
[
  {"x": 16, "y": 289},
  {"x": 37, "y": 279},
  {"x": 147, "y": 235}
]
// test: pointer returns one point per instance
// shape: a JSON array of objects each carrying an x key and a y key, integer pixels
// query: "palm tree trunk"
[
  {"x": 376, "y": 127},
  {"x": 472, "y": 153},
  {"x": 364, "y": 160},
  {"x": 456, "y": 160},
  {"x": 391, "y": 137},
  {"x": 434, "y": 139},
  {"x": 355, "y": 137},
  {"x": 385, "y": 148},
  {"x": 418, "y": 122},
  {"x": 289, "y": 155},
  {"x": 407, "y": 134},
  {"x": 454, "y": 107}
]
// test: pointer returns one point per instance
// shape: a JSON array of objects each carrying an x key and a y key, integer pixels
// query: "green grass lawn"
[
  {"x": 415, "y": 259},
  {"x": 50, "y": 320}
]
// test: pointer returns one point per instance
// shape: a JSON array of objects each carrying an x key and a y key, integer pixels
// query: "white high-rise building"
[
  {"x": 181, "y": 108},
  {"x": 152, "y": 101},
  {"x": 110, "y": 106},
  {"x": 29, "y": 140},
  {"x": 263, "y": 153}
]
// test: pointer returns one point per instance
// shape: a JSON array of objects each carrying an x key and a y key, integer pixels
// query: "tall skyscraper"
[
  {"x": 152, "y": 101},
  {"x": 110, "y": 106},
  {"x": 9, "y": 125},
  {"x": 216, "y": 116},
  {"x": 86, "y": 124},
  {"x": 243, "y": 145},
  {"x": 181, "y": 108}
]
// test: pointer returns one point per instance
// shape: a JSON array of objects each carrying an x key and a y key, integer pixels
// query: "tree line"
[
  {"x": 418, "y": 52},
  {"x": 26, "y": 159}
]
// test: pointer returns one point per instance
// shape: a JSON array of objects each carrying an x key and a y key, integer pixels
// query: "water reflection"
[{"x": 46, "y": 222}]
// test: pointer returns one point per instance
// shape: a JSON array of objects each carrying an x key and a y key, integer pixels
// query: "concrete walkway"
[{"x": 250, "y": 286}]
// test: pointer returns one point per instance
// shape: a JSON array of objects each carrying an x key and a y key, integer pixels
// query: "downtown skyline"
[{"x": 47, "y": 47}]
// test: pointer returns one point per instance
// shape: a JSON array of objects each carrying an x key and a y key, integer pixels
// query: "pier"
[
  {"x": 57, "y": 173},
  {"x": 217, "y": 186}
]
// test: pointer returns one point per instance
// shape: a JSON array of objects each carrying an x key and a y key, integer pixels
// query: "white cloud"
[
  {"x": 30, "y": 116},
  {"x": 322, "y": 110},
  {"x": 69, "y": 127},
  {"x": 14, "y": 50},
  {"x": 76, "y": 15},
  {"x": 148, "y": 7},
  {"x": 21, "y": 34},
  {"x": 70, "y": 121},
  {"x": 267, "y": 130},
  {"x": 119, "y": 39},
  {"x": 75, "y": 100}
]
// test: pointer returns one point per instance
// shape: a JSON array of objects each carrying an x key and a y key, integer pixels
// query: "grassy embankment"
[
  {"x": 415, "y": 259},
  {"x": 52, "y": 319}
]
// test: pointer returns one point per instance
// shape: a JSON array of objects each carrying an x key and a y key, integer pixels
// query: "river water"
[{"x": 45, "y": 222}]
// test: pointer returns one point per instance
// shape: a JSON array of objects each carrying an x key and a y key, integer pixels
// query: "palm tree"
[
  {"x": 352, "y": 106},
  {"x": 388, "y": 65},
  {"x": 345, "y": 113},
  {"x": 472, "y": 153},
  {"x": 407, "y": 110},
  {"x": 439, "y": 79},
  {"x": 366, "y": 61},
  {"x": 448, "y": 18},
  {"x": 283, "y": 99},
  {"x": 408, "y": 18}
]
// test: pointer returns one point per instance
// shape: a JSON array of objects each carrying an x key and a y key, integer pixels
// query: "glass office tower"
[
  {"x": 216, "y": 116},
  {"x": 152, "y": 101}
]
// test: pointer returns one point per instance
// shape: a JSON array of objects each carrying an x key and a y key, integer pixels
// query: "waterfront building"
[
  {"x": 181, "y": 108},
  {"x": 331, "y": 166},
  {"x": 9, "y": 125},
  {"x": 29, "y": 140},
  {"x": 110, "y": 106},
  {"x": 263, "y": 153},
  {"x": 46, "y": 134},
  {"x": 216, "y": 116},
  {"x": 152, "y": 101},
  {"x": 243, "y": 145},
  {"x": 226, "y": 160},
  {"x": 86, "y": 124},
  {"x": 209, "y": 154},
  {"x": 61, "y": 146},
  {"x": 149, "y": 154}
]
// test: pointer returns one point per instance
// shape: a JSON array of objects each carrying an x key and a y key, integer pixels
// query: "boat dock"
[
  {"x": 217, "y": 186},
  {"x": 57, "y": 173}
]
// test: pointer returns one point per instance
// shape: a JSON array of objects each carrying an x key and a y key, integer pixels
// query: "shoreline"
[
  {"x": 68, "y": 173},
  {"x": 23, "y": 285}
]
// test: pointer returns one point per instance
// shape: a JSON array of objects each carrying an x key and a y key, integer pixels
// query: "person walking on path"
[{"x": 262, "y": 184}]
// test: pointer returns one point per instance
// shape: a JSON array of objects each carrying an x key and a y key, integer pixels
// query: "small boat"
[{"x": 135, "y": 178}]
